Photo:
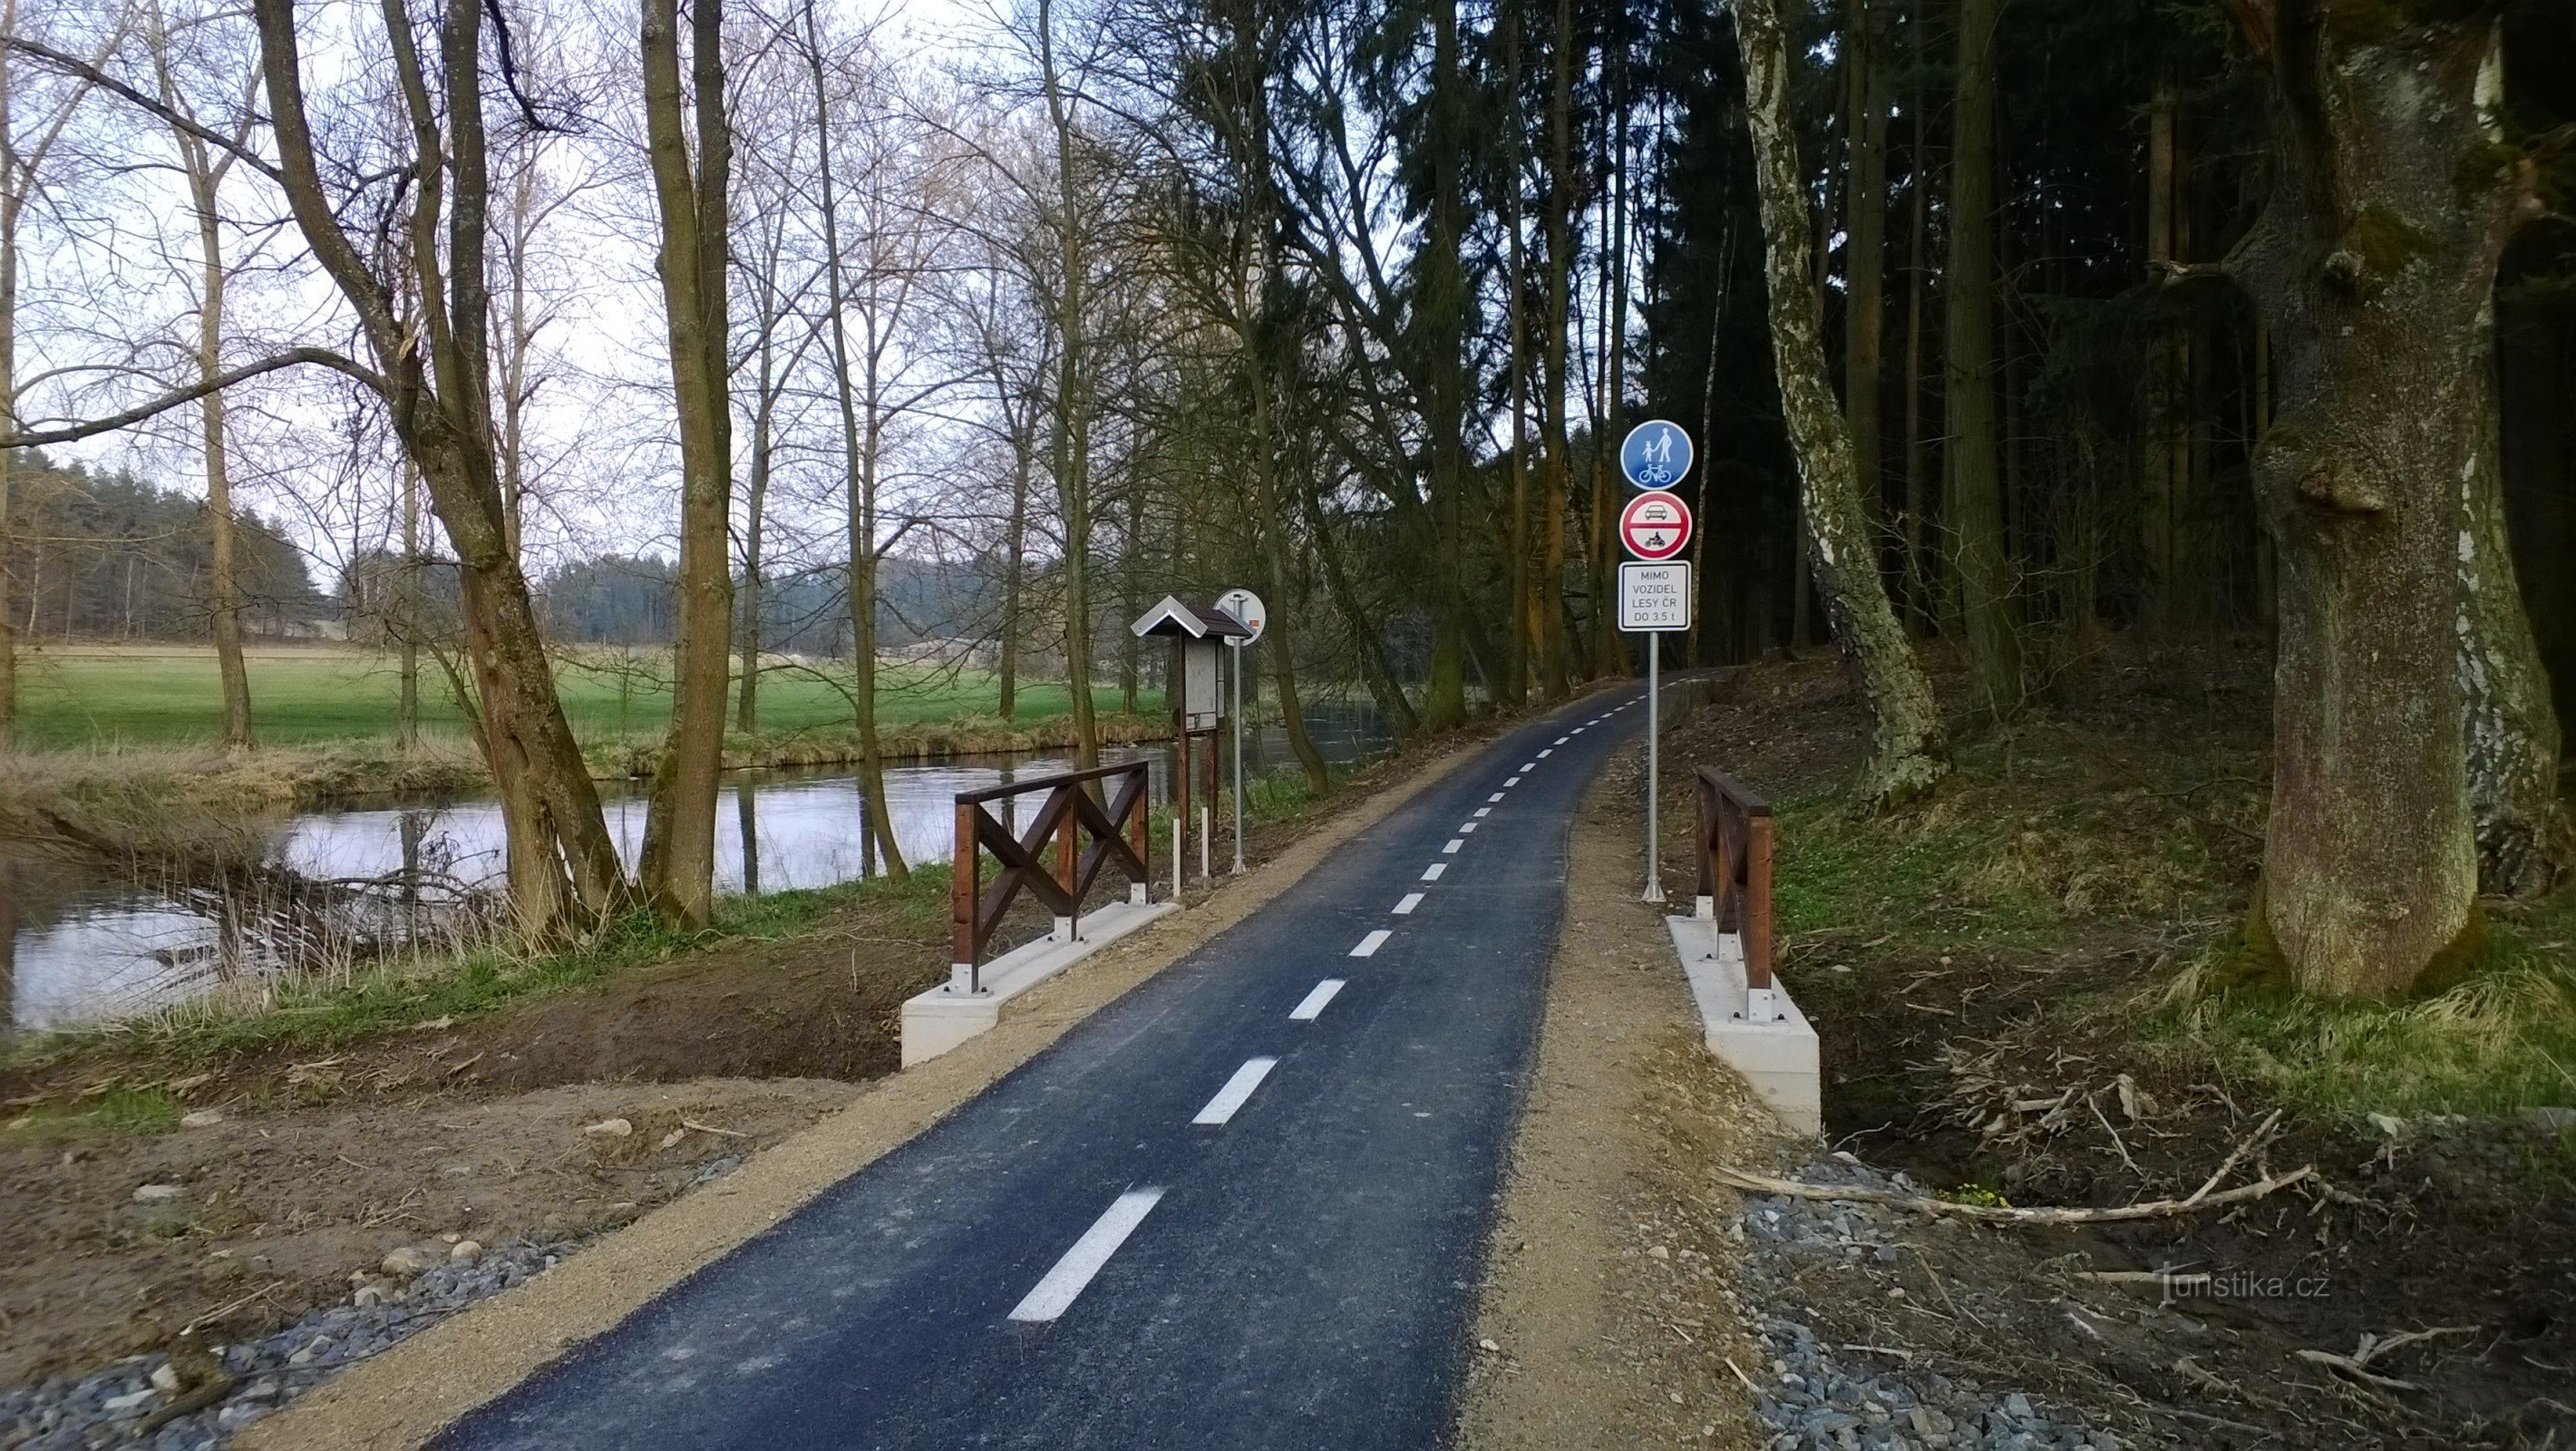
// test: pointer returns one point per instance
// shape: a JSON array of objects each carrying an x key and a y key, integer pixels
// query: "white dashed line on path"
[
  {"x": 1561, "y": 740},
  {"x": 1514, "y": 781},
  {"x": 1312, "y": 1007},
  {"x": 1236, "y": 1090},
  {"x": 1411, "y": 901},
  {"x": 1484, "y": 811},
  {"x": 1432, "y": 872},
  {"x": 1550, "y": 751},
  {"x": 1370, "y": 944},
  {"x": 1497, "y": 796},
  {"x": 1451, "y": 849},
  {"x": 1467, "y": 827},
  {"x": 1056, "y": 1293},
  {"x": 1531, "y": 765}
]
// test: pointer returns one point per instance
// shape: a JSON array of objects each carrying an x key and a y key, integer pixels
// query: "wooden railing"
[
  {"x": 1735, "y": 869},
  {"x": 1117, "y": 839}
]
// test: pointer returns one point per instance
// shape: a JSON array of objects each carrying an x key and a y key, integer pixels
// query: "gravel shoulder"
[{"x": 1610, "y": 1312}]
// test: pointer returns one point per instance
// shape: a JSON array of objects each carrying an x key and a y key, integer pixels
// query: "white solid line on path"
[
  {"x": 1370, "y": 944},
  {"x": 1497, "y": 796},
  {"x": 1236, "y": 1090},
  {"x": 1411, "y": 901},
  {"x": 1451, "y": 849},
  {"x": 1313, "y": 1006},
  {"x": 1055, "y": 1294},
  {"x": 1468, "y": 827},
  {"x": 1432, "y": 872}
]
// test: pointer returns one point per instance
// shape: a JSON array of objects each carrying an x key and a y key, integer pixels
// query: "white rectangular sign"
[{"x": 1655, "y": 597}]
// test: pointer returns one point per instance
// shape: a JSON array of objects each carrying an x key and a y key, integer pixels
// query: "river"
[{"x": 80, "y": 946}]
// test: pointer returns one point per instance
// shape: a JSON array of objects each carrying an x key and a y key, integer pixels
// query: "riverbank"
[
  {"x": 126, "y": 782},
  {"x": 305, "y": 1138}
]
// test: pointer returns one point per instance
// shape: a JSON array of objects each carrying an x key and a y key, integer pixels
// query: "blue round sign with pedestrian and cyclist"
[{"x": 1656, "y": 455}]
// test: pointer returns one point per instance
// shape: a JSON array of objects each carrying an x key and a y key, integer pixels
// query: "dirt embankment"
[{"x": 2016, "y": 991}]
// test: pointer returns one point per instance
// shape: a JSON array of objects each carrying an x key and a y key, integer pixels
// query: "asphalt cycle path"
[{"x": 1243, "y": 1206}]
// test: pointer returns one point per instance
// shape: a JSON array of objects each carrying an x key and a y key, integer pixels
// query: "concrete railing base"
[
  {"x": 940, "y": 1019},
  {"x": 1777, "y": 1057}
]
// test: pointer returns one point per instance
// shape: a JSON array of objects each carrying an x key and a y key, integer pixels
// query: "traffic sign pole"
[
  {"x": 1654, "y": 762},
  {"x": 1247, "y": 609},
  {"x": 1238, "y": 758},
  {"x": 1655, "y": 525}
]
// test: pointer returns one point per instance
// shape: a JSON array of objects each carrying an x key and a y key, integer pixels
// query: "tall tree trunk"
[
  {"x": 2510, "y": 726},
  {"x": 407, "y": 619},
  {"x": 1908, "y": 752},
  {"x": 1865, "y": 257},
  {"x": 1918, "y": 583},
  {"x": 1072, "y": 432},
  {"x": 1444, "y": 341},
  {"x": 858, "y": 468},
  {"x": 1015, "y": 568},
  {"x": 1554, "y": 678},
  {"x": 2371, "y": 265},
  {"x": 690, "y": 193},
  {"x": 1974, "y": 496},
  {"x": 2161, "y": 520},
  {"x": 755, "y": 508},
  {"x": 205, "y": 172},
  {"x": 1524, "y": 644}
]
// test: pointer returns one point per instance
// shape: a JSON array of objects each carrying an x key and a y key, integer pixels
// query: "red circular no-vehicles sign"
[{"x": 1655, "y": 525}]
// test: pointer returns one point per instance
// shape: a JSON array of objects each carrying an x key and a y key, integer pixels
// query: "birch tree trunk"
[
  {"x": 1908, "y": 751},
  {"x": 2509, "y": 723}
]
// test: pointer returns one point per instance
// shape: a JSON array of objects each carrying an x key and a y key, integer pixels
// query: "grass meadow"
[{"x": 115, "y": 696}]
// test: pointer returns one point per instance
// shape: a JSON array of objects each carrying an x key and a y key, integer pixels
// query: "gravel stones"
[
  {"x": 74, "y": 1414},
  {"x": 1820, "y": 1396}
]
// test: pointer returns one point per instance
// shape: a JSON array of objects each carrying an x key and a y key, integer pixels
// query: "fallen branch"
[
  {"x": 2357, "y": 1365},
  {"x": 2018, "y": 1218},
  {"x": 2165, "y": 1279}
]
